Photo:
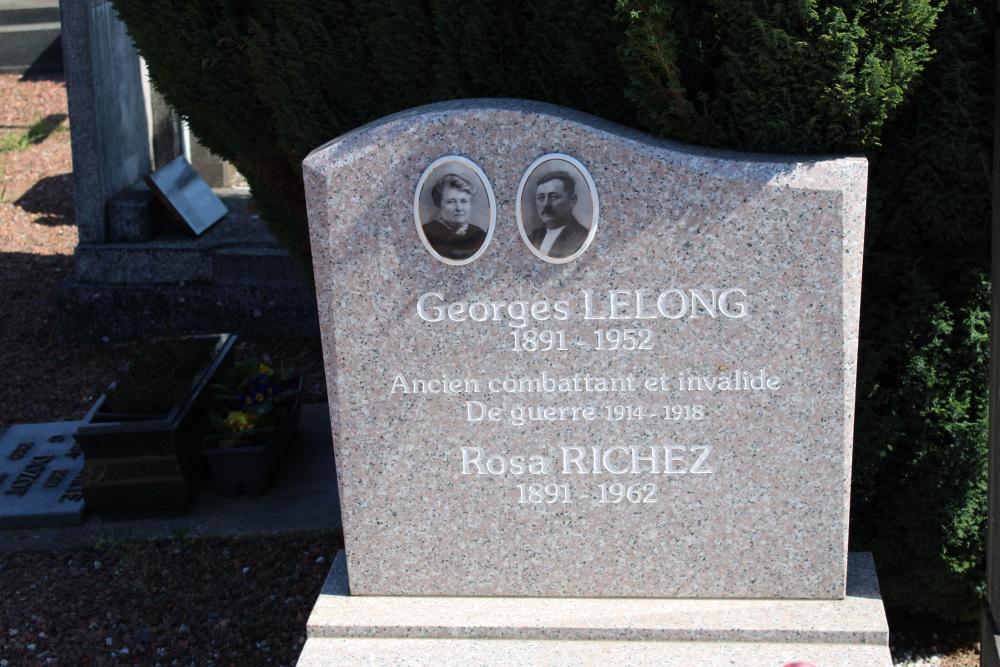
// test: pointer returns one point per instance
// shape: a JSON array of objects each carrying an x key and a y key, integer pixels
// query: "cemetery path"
[{"x": 212, "y": 601}]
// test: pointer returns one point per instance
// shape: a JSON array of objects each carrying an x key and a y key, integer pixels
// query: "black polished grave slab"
[{"x": 41, "y": 468}]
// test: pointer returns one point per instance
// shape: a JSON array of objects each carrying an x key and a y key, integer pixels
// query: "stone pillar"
[{"x": 110, "y": 135}]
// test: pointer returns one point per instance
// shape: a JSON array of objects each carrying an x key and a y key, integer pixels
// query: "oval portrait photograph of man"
[
  {"x": 455, "y": 210},
  {"x": 557, "y": 208}
]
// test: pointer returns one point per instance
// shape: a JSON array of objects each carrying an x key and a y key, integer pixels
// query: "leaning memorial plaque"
[{"x": 642, "y": 386}]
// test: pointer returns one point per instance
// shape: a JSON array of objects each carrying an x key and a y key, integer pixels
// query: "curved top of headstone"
[
  {"x": 432, "y": 113},
  {"x": 679, "y": 321}
]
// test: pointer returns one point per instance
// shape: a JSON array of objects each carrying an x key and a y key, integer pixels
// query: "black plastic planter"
[
  {"x": 149, "y": 466},
  {"x": 250, "y": 469}
]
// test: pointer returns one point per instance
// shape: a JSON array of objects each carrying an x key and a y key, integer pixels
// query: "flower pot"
[
  {"x": 251, "y": 468},
  {"x": 145, "y": 466}
]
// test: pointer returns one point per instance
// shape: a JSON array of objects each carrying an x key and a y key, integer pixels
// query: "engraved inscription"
[
  {"x": 475, "y": 461},
  {"x": 622, "y": 460},
  {"x": 518, "y": 313},
  {"x": 633, "y": 493},
  {"x": 630, "y": 322},
  {"x": 20, "y": 451},
  {"x": 74, "y": 492},
  {"x": 27, "y": 477},
  {"x": 670, "y": 304},
  {"x": 54, "y": 478},
  {"x": 539, "y": 341},
  {"x": 593, "y": 460}
]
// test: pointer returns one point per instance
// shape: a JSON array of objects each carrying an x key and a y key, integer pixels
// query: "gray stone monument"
[
  {"x": 587, "y": 386},
  {"x": 108, "y": 110}
]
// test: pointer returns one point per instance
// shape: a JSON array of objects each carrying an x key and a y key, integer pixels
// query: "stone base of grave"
[
  {"x": 31, "y": 42},
  {"x": 346, "y": 630},
  {"x": 154, "y": 276}
]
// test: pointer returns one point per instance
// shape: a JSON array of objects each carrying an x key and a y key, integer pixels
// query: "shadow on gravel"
[
  {"x": 41, "y": 129},
  {"x": 52, "y": 198}
]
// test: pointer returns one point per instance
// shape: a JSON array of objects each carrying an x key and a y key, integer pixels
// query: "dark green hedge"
[
  {"x": 798, "y": 77},
  {"x": 262, "y": 82},
  {"x": 919, "y": 487}
]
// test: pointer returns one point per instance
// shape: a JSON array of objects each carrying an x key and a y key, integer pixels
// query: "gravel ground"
[{"x": 179, "y": 602}]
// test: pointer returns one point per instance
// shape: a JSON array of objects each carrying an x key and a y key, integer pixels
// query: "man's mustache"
[{"x": 547, "y": 210}]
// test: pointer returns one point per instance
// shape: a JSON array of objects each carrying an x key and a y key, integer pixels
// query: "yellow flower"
[
  {"x": 238, "y": 421},
  {"x": 266, "y": 370}
]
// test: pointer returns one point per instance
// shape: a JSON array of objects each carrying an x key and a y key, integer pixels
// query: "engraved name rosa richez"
[
  {"x": 640, "y": 304},
  {"x": 594, "y": 460}
]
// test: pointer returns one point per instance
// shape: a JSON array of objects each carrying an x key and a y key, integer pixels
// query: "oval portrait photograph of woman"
[
  {"x": 557, "y": 208},
  {"x": 455, "y": 210}
]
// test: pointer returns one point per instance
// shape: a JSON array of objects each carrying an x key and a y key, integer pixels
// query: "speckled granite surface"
[
  {"x": 856, "y": 619},
  {"x": 501, "y": 652},
  {"x": 454, "y": 429},
  {"x": 361, "y": 630}
]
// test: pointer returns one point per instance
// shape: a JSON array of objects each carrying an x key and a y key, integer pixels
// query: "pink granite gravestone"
[
  {"x": 661, "y": 407},
  {"x": 571, "y": 362}
]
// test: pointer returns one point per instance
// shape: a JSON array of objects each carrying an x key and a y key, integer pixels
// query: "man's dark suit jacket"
[{"x": 568, "y": 242}]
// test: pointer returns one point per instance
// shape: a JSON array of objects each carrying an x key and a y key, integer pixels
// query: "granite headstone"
[{"x": 596, "y": 365}]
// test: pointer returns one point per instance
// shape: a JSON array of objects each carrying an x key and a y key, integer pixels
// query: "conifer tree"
[{"x": 795, "y": 76}]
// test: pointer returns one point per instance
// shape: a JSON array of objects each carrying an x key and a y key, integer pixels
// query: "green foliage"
[
  {"x": 14, "y": 141},
  {"x": 263, "y": 82},
  {"x": 255, "y": 400},
  {"x": 920, "y": 484},
  {"x": 813, "y": 76},
  {"x": 36, "y": 134},
  {"x": 3, "y": 185},
  {"x": 798, "y": 77},
  {"x": 919, "y": 488}
]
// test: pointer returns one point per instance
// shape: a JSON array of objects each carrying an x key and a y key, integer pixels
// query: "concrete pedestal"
[
  {"x": 235, "y": 277},
  {"x": 348, "y": 630}
]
